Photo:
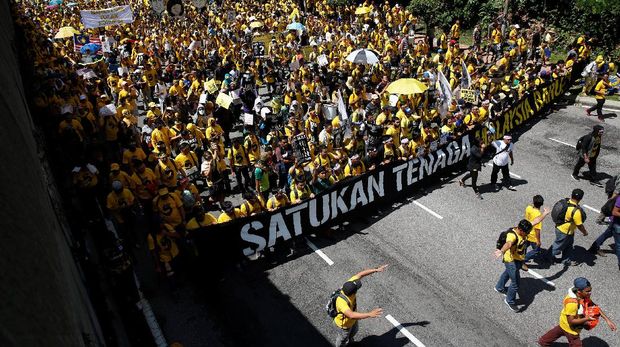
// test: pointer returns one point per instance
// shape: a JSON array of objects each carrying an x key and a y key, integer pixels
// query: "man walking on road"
[
  {"x": 565, "y": 232},
  {"x": 513, "y": 253},
  {"x": 589, "y": 151},
  {"x": 573, "y": 316},
  {"x": 347, "y": 317},
  {"x": 600, "y": 91},
  {"x": 474, "y": 165},
  {"x": 532, "y": 212},
  {"x": 503, "y": 154},
  {"x": 613, "y": 230}
]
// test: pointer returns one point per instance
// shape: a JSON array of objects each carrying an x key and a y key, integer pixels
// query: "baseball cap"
[
  {"x": 581, "y": 283},
  {"x": 115, "y": 167},
  {"x": 163, "y": 191},
  {"x": 351, "y": 287},
  {"x": 507, "y": 137}
]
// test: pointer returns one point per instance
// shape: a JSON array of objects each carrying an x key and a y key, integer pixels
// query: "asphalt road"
[{"x": 439, "y": 283}]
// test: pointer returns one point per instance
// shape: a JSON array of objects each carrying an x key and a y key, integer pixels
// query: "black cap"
[{"x": 351, "y": 287}]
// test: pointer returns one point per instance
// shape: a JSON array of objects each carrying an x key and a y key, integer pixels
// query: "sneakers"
[
  {"x": 498, "y": 187},
  {"x": 500, "y": 291},
  {"x": 571, "y": 263},
  {"x": 461, "y": 183},
  {"x": 512, "y": 188},
  {"x": 573, "y": 176},
  {"x": 513, "y": 307},
  {"x": 524, "y": 267},
  {"x": 479, "y": 196}
]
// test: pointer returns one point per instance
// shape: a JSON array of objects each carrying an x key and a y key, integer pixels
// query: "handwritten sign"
[{"x": 469, "y": 95}]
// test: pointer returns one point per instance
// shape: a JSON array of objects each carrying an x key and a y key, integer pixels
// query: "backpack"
[
  {"x": 589, "y": 309},
  {"x": 332, "y": 312},
  {"x": 580, "y": 142},
  {"x": 501, "y": 240},
  {"x": 610, "y": 185},
  {"x": 558, "y": 213},
  {"x": 608, "y": 208}
]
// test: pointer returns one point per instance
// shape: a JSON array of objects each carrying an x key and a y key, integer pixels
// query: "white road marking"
[
  {"x": 515, "y": 175},
  {"x": 428, "y": 210},
  {"x": 590, "y": 208},
  {"x": 320, "y": 253},
  {"x": 540, "y": 277},
  {"x": 404, "y": 331},
  {"x": 562, "y": 142}
]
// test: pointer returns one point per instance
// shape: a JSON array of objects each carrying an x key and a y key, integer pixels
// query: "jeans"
[
  {"x": 505, "y": 174},
  {"x": 581, "y": 163},
  {"x": 598, "y": 107},
  {"x": 473, "y": 173},
  {"x": 510, "y": 273},
  {"x": 613, "y": 230},
  {"x": 550, "y": 336},
  {"x": 345, "y": 336},
  {"x": 563, "y": 243},
  {"x": 535, "y": 253}
]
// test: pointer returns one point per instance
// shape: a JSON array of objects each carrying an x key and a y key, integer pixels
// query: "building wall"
[{"x": 44, "y": 302}]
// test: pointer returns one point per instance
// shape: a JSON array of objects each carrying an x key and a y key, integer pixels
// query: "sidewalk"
[{"x": 590, "y": 101}]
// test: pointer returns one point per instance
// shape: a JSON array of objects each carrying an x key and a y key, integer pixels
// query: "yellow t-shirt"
[
  {"x": 600, "y": 90},
  {"x": 517, "y": 250},
  {"x": 195, "y": 224},
  {"x": 168, "y": 209},
  {"x": 166, "y": 247},
  {"x": 568, "y": 228},
  {"x": 570, "y": 308},
  {"x": 341, "y": 320},
  {"x": 532, "y": 213}
]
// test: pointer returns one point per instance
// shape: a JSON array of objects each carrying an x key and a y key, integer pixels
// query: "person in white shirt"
[{"x": 503, "y": 153}]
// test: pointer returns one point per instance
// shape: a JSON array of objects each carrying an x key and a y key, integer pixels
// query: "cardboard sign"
[
  {"x": 224, "y": 100},
  {"x": 248, "y": 119},
  {"x": 469, "y": 95},
  {"x": 211, "y": 86},
  {"x": 117, "y": 15},
  {"x": 322, "y": 60}
]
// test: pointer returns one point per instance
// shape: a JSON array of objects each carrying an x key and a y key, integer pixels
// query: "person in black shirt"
[{"x": 474, "y": 165}]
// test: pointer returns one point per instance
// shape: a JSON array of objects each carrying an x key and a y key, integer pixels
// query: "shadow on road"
[{"x": 390, "y": 338}]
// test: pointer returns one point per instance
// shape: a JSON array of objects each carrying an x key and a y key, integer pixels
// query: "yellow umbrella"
[
  {"x": 256, "y": 24},
  {"x": 362, "y": 10},
  {"x": 65, "y": 32},
  {"x": 406, "y": 86}
]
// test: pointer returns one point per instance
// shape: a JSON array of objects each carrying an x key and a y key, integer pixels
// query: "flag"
[
  {"x": 466, "y": 78},
  {"x": 342, "y": 109},
  {"x": 446, "y": 93},
  {"x": 79, "y": 40}
]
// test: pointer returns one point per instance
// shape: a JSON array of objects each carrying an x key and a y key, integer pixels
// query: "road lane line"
[
  {"x": 590, "y": 208},
  {"x": 562, "y": 142},
  {"x": 515, "y": 175},
  {"x": 404, "y": 331},
  {"x": 428, "y": 210},
  {"x": 540, "y": 277},
  {"x": 319, "y": 252}
]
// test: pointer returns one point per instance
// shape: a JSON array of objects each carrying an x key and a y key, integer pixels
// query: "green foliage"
[{"x": 340, "y": 2}]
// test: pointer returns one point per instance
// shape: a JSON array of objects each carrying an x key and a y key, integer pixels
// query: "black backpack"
[
  {"x": 580, "y": 142},
  {"x": 558, "y": 213},
  {"x": 331, "y": 305},
  {"x": 610, "y": 185},
  {"x": 501, "y": 240}
]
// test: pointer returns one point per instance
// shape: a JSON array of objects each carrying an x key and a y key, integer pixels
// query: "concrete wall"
[{"x": 43, "y": 301}]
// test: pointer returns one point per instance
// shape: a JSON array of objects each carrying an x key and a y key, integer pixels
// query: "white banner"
[{"x": 110, "y": 16}]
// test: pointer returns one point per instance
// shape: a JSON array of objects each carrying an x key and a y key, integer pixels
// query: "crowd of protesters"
[{"x": 140, "y": 126}]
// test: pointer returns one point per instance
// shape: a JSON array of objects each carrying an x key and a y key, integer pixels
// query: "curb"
[{"x": 588, "y": 101}]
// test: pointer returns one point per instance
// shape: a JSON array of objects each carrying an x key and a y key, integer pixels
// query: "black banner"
[{"x": 243, "y": 237}]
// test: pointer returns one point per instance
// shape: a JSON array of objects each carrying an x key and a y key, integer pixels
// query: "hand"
[
  {"x": 611, "y": 324},
  {"x": 587, "y": 160},
  {"x": 375, "y": 313},
  {"x": 585, "y": 233},
  {"x": 512, "y": 162},
  {"x": 590, "y": 318},
  {"x": 546, "y": 211},
  {"x": 498, "y": 253},
  {"x": 381, "y": 268},
  {"x": 538, "y": 243}
]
